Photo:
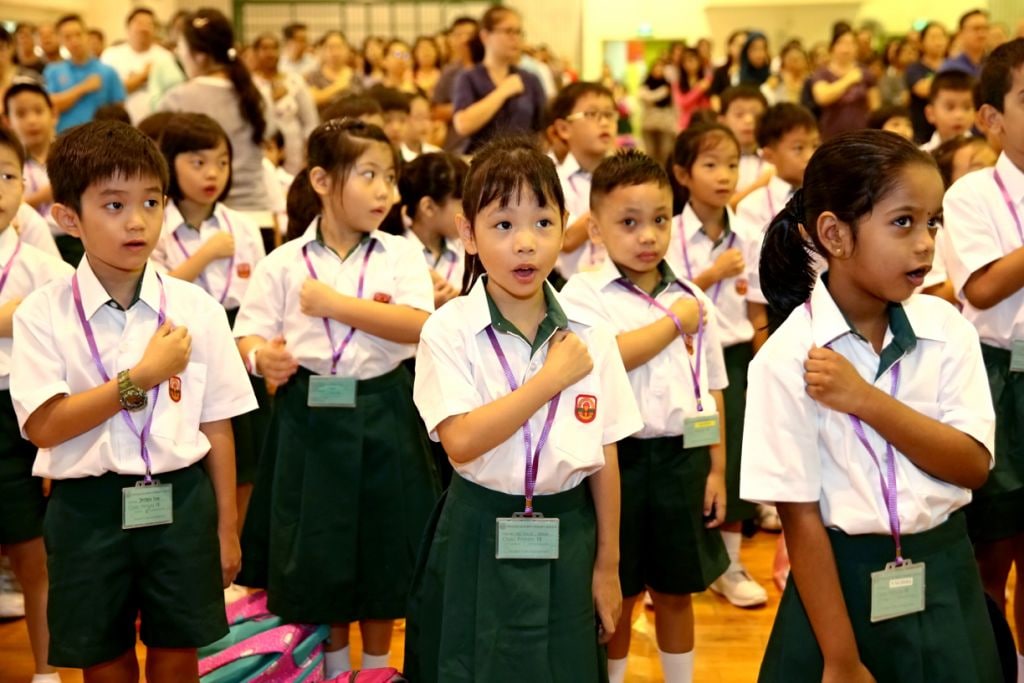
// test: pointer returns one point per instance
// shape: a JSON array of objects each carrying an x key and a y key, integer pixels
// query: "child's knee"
[
  {"x": 167, "y": 665},
  {"x": 672, "y": 603}
]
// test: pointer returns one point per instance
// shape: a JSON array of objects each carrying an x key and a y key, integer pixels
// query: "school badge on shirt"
[
  {"x": 741, "y": 286},
  {"x": 244, "y": 270},
  {"x": 586, "y": 408},
  {"x": 382, "y": 298},
  {"x": 174, "y": 388}
]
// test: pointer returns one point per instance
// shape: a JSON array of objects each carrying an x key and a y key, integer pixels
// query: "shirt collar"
[
  {"x": 481, "y": 311},
  {"x": 692, "y": 224},
  {"x": 173, "y": 217},
  {"x": 779, "y": 188},
  {"x": 94, "y": 295},
  {"x": 8, "y": 239},
  {"x": 313, "y": 234},
  {"x": 609, "y": 272},
  {"x": 1012, "y": 177},
  {"x": 570, "y": 166}
]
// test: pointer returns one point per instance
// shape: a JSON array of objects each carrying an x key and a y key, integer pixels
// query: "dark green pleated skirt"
[
  {"x": 474, "y": 618},
  {"x": 70, "y": 248},
  {"x": 737, "y": 358},
  {"x": 997, "y": 511},
  {"x": 22, "y": 505},
  {"x": 951, "y": 641},
  {"x": 663, "y": 543},
  {"x": 250, "y": 428},
  {"x": 352, "y": 491}
]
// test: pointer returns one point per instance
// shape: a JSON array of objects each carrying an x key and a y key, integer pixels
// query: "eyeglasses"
[{"x": 606, "y": 115}]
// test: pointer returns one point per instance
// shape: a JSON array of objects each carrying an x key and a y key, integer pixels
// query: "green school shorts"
[
  {"x": 22, "y": 504},
  {"x": 737, "y": 358}
]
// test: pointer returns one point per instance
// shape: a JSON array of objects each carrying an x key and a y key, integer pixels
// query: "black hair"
[
  {"x": 67, "y": 19},
  {"x": 688, "y": 146},
  {"x": 462, "y": 20},
  {"x": 95, "y": 32},
  {"x": 733, "y": 35},
  {"x": 188, "y": 132},
  {"x": 302, "y": 205},
  {"x": 5, "y": 37},
  {"x": 137, "y": 11},
  {"x": 684, "y": 78},
  {"x": 209, "y": 32},
  {"x": 22, "y": 85},
  {"x": 955, "y": 81},
  {"x": 153, "y": 125},
  {"x": 971, "y": 13},
  {"x": 741, "y": 92},
  {"x": 97, "y": 151},
  {"x": 113, "y": 111},
  {"x": 438, "y": 175},
  {"x": 565, "y": 101},
  {"x": 848, "y": 176},
  {"x": 331, "y": 34},
  {"x": 781, "y": 118},
  {"x": 879, "y": 117},
  {"x": 10, "y": 140},
  {"x": 501, "y": 171},
  {"x": 290, "y": 30},
  {"x": 625, "y": 169},
  {"x": 997, "y": 74},
  {"x": 352, "y": 107},
  {"x": 265, "y": 36},
  {"x": 494, "y": 14},
  {"x": 839, "y": 29},
  {"x": 929, "y": 26},
  {"x": 389, "y": 99},
  {"x": 945, "y": 152},
  {"x": 702, "y": 117},
  {"x": 277, "y": 138},
  {"x": 749, "y": 74}
]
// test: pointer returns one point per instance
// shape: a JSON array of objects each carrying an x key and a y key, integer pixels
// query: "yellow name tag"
[
  {"x": 897, "y": 591},
  {"x": 145, "y": 505}
]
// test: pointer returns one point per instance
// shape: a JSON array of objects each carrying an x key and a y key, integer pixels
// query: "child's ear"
[
  {"x": 67, "y": 219},
  {"x": 989, "y": 119},
  {"x": 682, "y": 176},
  {"x": 465, "y": 233},
  {"x": 320, "y": 179},
  {"x": 594, "y": 229},
  {"x": 561, "y": 127},
  {"x": 768, "y": 154},
  {"x": 929, "y": 113},
  {"x": 835, "y": 235},
  {"x": 426, "y": 207}
]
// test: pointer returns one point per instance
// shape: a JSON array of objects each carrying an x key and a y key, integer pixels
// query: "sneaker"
[
  {"x": 12, "y": 602},
  {"x": 768, "y": 518},
  {"x": 736, "y": 586}
]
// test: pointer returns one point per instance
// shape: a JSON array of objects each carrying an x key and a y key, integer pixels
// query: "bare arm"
[
  {"x": 758, "y": 315},
  {"x": 639, "y": 346},
  {"x": 443, "y": 112},
  {"x": 576, "y": 234},
  {"x": 825, "y": 93},
  {"x": 220, "y": 466},
  {"x": 64, "y": 100},
  {"x": 990, "y": 285},
  {"x": 397, "y": 323},
  {"x": 477, "y": 115},
  {"x": 7, "y": 318},
  {"x": 605, "y": 490}
]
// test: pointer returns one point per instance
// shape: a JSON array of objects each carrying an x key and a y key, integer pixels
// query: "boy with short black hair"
[
  {"x": 950, "y": 107},
  {"x": 742, "y": 106},
  {"x": 893, "y": 118},
  {"x": 361, "y": 107},
  {"x": 394, "y": 106},
  {"x": 141, "y": 518}
]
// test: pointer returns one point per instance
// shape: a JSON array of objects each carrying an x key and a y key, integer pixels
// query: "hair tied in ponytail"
[{"x": 795, "y": 206}]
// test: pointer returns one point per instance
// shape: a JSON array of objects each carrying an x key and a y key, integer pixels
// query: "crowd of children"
[{"x": 506, "y": 400}]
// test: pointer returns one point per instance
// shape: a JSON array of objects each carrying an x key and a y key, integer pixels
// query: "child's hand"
[
  {"x": 221, "y": 245},
  {"x": 317, "y": 299},
  {"x": 855, "y": 673},
  {"x": 833, "y": 382},
  {"x": 568, "y": 360},
  {"x": 230, "y": 556},
  {"x": 275, "y": 363},
  {"x": 443, "y": 290},
  {"x": 607, "y": 601},
  {"x": 687, "y": 311},
  {"x": 714, "y": 499},
  {"x": 729, "y": 264},
  {"x": 166, "y": 355}
]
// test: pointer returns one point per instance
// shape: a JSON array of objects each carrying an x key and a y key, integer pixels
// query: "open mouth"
[
  {"x": 525, "y": 273},
  {"x": 917, "y": 276}
]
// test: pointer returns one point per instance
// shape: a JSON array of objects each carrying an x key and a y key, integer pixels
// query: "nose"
[{"x": 524, "y": 240}]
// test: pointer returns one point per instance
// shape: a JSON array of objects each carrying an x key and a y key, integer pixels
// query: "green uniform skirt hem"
[
  {"x": 22, "y": 504},
  {"x": 951, "y": 640},
  {"x": 737, "y": 359},
  {"x": 474, "y": 618}
]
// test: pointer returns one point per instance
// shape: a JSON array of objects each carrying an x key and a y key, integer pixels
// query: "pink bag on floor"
[
  {"x": 388, "y": 675},
  {"x": 292, "y": 653}
]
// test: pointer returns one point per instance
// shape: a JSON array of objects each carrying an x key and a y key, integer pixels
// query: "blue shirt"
[
  {"x": 961, "y": 63},
  {"x": 61, "y": 76},
  {"x": 522, "y": 114}
]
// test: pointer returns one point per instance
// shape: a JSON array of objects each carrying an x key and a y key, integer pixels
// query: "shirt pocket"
[
  {"x": 179, "y": 405},
  {"x": 577, "y": 433}
]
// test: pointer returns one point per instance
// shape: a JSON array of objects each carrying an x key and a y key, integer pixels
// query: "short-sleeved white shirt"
[
  {"x": 395, "y": 274},
  {"x": 978, "y": 227},
  {"x": 663, "y": 386},
  {"x": 452, "y": 262},
  {"x": 700, "y": 253},
  {"x": 36, "y": 230},
  {"x": 457, "y": 371},
  {"x": 576, "y": 187},
  {"x": 797, "y": 450},
  {"x": 178, "y": 241},
  {"x": 51, "y": 357},
  {"x": 126, "y": 62},
  {"x": 758, "y": 208},
  {"x": 751, "y": 168}
]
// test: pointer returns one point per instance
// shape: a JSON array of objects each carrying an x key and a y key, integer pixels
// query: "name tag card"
[
  {"x": 703, "y": 430},
  {"x": 328, "y": 391},
  {"x": 897, "y": 591},
  {"x": 527, "y": 538},
  {"x": 145, "y": 505},
  {"x": 1017, "y": 356}
]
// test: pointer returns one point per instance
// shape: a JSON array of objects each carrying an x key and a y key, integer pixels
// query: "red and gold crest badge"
[
  {"x": 243, "y": 270},
  {"x": 382, "y": 298},
  {"x": 742, "y": 286},
  {"x": 586, "y": 408},
  {"x": 174, "y": 388}
]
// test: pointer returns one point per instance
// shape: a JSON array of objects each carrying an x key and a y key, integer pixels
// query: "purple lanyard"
[
  {"x": 10, "y": 264},
  {"x": 231, "y": 263},
  {"x": 532, "y": 456},
  {"x": 629, "y": 286},
  {"x": 451, "y": 265},
  {"x": 686, "y": 257},
  {"x": 90, "y": 338},
  {"x": 1009, "y": 204},
  {"x": 336, "y": 352}
]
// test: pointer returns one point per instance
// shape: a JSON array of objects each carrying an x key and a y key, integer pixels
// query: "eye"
[
  {"x": 903, "y": 222},
  {"x": 369, "y": 175},
  {"x": 8, "y": 177},
  {"x": 197, "y": 163},
  {"x": 661, "y": 220},
  {"x": 392, "y": 179},
  {"x": 935, "y": 222},
  {"x": 629, "y": 222},
  {"x": 504, "y": 225},
  {"x": 151, "y": 203},
  {"x": 113, "y": 206},
  {"x": 545, "y": 223}
]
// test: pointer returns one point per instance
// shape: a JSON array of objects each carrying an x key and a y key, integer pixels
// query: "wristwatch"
[{"x": 133, "y": 398}]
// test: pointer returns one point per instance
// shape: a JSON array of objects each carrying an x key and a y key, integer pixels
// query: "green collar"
[
  {"x": 667, "y": 277},
  {"x": 135, "y": 296},
  {"x": 554, "y": 320},
  {"x": 320, "y": 238}
]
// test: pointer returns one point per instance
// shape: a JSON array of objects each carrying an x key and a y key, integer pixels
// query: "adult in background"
[
  {"x": 973, "y": 36},
  {"x": 25, "y": 49},
  {"x": 146, "y": 68},
  {"x": 293, "y": 108},
  {"x": 844, "y": 91},
  {"x": 892, "y": 86},
  {"x": 220, "y": 86},
  {"x": 755, "y": 62},
  {"x": 658, "y": 124},
  {"x": 788, "y": 84},
  {"x": 334, "y": 78},
  {"x": 296, "y": 58},
  {"x": 97, "y": 41},
  {"x": 463, "y": 38},
  {"x": 426, "y": 64},
  {"x": 49, "y": 42},
  {"x": 496, "y": 97},
  {"x": 397, "y": 67},
  {"x": 9, "y": 71},
  {"x": 728, "y": 74},
  {"x": 371, "y": 57},
  {"x": 919, "y": 75},
  {"x": 82, "y": 84}
]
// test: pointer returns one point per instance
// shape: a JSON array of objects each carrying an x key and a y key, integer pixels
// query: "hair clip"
[
  {"x": 232, "y": 54},
  {"x": 200, "y": 22}
]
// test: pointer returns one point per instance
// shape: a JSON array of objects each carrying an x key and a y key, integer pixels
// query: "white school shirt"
[
  {"x": 450, "y": 265},
  {"x": 663, "y": 386},
  {"x": 751, "y": 168},
  {"x": 36, "y": 178},
  {"x": 51, "y": 357},
  {"x": 797, "y": 450},
  {"x": 126, "y": 62},
  {"x": 31, "y": 270},
  {"x": 731, "y": 301},
  {"x": 249, "y": 250},
  {"x": 979, "y": 229},
  {"x": 426, "y": 148},
  {"x": 36, "y": 230},
  {"x": 395, "y": 274},
  {"x": 758, "y": 208},
  {"x": 457, "y": 371},
  {"x": 576, "y": 188}
]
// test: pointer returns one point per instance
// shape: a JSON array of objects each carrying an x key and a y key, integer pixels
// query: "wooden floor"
[{"x": 729, "y": 640}]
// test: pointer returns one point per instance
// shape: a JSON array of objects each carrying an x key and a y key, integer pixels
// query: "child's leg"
[
  {"x": 28, "y": 560},
  {"x": 172, "y": 665},
  {"x": 673, "y": 624},
  {"x": 618, "y": 646},
  {"x": 994, "y": 560},
  {"x": 123, "y": 669},
  {"x": 376, "y": 637},
  {"x": 1018, "y": 593},
  {"x": 339, "y": 637},
  {"x": 336, "y": 653}
]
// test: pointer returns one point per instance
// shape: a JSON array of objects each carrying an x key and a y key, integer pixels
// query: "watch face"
[{"x": 134, "y": 400}]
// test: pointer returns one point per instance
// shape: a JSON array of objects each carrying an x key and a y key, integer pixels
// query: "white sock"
[
  {"x": 1020, "y": 668},
  {"x": 337, "y": 662},
  {"x": 375, "y": 661},
  {"x": 732, "y": 547},
  {"x": 617, "y": 670},
  {"x": 46, "y": 678},
  {"x": 677, "y": 668}
]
